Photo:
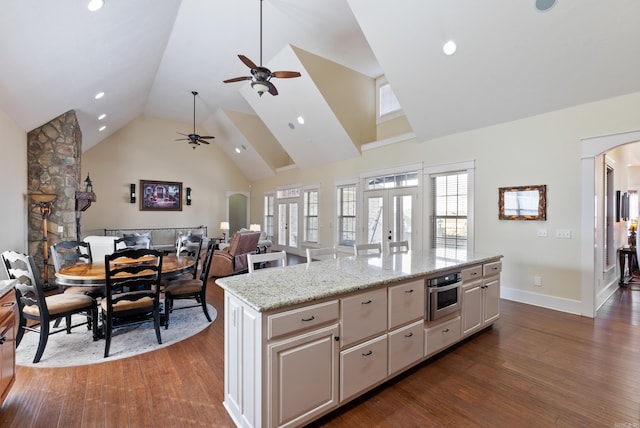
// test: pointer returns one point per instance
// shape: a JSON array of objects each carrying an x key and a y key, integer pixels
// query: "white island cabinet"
[{"x": 304, "y": 340}]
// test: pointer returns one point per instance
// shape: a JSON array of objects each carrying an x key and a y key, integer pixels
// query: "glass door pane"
[
  {"x": 375, "y": 217},
  {"x": 282, "y": 224},
  {"x": 293, "y": 225}
]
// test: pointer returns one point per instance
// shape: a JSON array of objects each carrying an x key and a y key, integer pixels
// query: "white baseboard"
[{"x": 549, "y": 302}]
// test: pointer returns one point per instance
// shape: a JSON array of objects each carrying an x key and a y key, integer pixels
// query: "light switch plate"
[
  {"x": 563, "y": 233},
  {"x": 542, "y": 233}
]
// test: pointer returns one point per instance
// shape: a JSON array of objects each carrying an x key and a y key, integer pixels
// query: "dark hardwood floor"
[{"x": 535, "y": 367}]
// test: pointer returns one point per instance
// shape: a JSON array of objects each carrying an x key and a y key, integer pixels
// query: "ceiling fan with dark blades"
[
  {"x": 261, "y": 76},
  {"x": 194, "y": 138}
]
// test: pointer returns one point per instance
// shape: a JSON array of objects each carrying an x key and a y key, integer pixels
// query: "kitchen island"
[{"x": 303, "y": 340}]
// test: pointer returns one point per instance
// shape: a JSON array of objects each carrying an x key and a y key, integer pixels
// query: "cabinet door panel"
[
  {"x": 471, "y": 307},
  {"x": 440, "y": 336},
  {"x": 491, "y": 300},
  {"x": 303, "y": 375},
  {"x": 406, "y": 346},
  {"x": 362, "y": 366},
  {"x": 406, "y": 303},
  {"x": 363, "y": 315}
]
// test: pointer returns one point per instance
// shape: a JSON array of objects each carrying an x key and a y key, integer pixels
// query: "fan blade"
[
  {"x": 272, "y": 88},
  {"x": 206, "y": 136},
  {"x": 285, "y": 74},
  {"x": 186, "y": 135},
  {"x": 182, "y": 139},
  {"x": 203, "y": 141},
  {"x": 237, "y": 79},
  {"x": 247, "y": 61}
]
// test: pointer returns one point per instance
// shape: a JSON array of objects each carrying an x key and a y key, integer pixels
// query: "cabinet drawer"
[
  {"x": 406, "y": 346},
  {"x": 362, "y": 316},
  {"x": 406, "y": 303},
  {"x": 493, "y": 268},
  {"x": 363, "y": 366},
  {"x": 301, "y": 318},
  {"x": 471, "y": 273},
  {"x": 440, "y": 336}
]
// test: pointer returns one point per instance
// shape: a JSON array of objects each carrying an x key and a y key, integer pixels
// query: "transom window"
[{"x": 391, "y": 181}]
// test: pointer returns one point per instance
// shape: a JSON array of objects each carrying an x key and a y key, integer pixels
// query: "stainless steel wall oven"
[{"x": 443, "y": 295}]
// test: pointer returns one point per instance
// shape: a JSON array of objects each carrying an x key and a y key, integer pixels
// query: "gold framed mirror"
[{"x": 522, "y": 203}]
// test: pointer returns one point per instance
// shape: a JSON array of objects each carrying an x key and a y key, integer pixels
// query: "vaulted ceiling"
[{"x": 147, "y": 56}]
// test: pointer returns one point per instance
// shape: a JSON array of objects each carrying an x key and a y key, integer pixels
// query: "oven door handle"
[{"x": 437, "y": 289}]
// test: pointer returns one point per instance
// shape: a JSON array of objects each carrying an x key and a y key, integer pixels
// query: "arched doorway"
[
  {"x": 237, "y": 211},
  {"x": 591, "y": 234}
]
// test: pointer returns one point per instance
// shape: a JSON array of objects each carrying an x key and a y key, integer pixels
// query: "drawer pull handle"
[
  {"x": 309, "y": 319},
  {"x": 408, "y": 335},
  {"x": 446, "y": 330},
  {"x": 367, "y": 302},
  {"x": 474, "y": 273},
  {"x": 366, "y": 354},
  {"x": 409, "y": 291}
]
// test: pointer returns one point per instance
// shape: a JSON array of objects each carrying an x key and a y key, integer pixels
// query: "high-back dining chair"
[
  {"x": 191, "y": 245},
  {"x": 398, "y": 246},
  {"x": 68, "y": 253},
  {"x": 278, "y": 257},
  {"x": 367, "y": 249},
  {"x": 34, "y": 306},
  {"x": 132, "y": 290},
  {"x": 321, "y": 254},
  {"x": 191, "y": 288}
]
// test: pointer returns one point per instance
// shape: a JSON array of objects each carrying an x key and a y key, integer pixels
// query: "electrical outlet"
[
  {"x": 542, "y": 233},
  {"x": 537, "y": 281},
  {"x": 60, "y": 229},
  {"x": 563, "y": 233}
]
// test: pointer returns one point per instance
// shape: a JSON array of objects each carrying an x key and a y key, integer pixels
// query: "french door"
[
  {"x": 287, "y": 227},
  {"x": 393, "y": 215}
]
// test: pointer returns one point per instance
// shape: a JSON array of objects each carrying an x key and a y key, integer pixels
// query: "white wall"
[
  {"x": 146, "y": 149},
  {"x": 543, "y": 149},
  {"x": 13, "y": 175}
]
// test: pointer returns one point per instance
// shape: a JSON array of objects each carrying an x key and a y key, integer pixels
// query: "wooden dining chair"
[
  {"x": 68, "y": 253},
  {"x": 321, "y": 254},
  {"x": 277, "y": 257},
  {"x": 190, "y": 288},
  {"x": 398, "y": 246},
  {"x": 41, "y": 310},
  {"x": 367, "y": 249},
  {"x": 132, "y": 290}
]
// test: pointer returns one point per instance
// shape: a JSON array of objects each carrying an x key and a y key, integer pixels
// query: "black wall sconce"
[
  {"x": 132, "y": 195},
  {"x": 188, "y": 195}
]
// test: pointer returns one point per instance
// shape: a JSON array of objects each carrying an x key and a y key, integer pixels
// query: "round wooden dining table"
[{"x": 92, "y": 274}]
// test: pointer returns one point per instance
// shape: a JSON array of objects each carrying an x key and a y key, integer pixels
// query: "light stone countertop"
[{"x": 276, "y": 288}]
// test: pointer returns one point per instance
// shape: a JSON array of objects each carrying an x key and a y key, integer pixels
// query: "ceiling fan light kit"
[{"x": 260, "y": 75}]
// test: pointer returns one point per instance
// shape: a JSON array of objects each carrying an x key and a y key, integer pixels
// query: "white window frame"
[
  {"x": 306, "y": 216},
  {"x": 428, "y": 172},
  {"x": 269, "y": 218},
  {"x": 380, "y": 83},
  {"x": 357, "y": 201}
]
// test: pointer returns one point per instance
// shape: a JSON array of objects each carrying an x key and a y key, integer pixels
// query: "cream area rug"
[{"x": 78, "y": 348}]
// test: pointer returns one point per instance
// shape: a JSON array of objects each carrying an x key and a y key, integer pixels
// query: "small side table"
[{"x": 628, "y": 259}]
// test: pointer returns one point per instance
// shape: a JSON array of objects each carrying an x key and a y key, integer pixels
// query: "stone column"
[{"x": 53, "y": 156}]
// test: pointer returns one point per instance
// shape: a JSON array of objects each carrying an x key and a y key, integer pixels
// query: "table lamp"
[
  {"x": 44, "y": 201},
  {"x": 254, "y": 227},
  {"x": 224, "y": 226}
]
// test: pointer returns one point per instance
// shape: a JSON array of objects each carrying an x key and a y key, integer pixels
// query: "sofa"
[{"x": 233, "y": 258}]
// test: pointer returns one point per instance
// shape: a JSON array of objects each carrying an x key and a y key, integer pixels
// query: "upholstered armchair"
[{"x": 233, "y": 259}]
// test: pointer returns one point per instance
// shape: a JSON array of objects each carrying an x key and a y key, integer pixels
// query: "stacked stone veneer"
[{"x": 53, "y": 157}]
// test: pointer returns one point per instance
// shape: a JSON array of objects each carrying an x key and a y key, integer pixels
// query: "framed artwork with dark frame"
[
  {"x": 160, "y": 195},
  {"x": 522, "y": 203}
]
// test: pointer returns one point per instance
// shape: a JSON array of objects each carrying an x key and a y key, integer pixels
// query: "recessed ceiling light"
[
  {"x": 99, "y": 95},
  {"x": 102, "y": 128},
  {"x": 95, "y": 5},
  {"x": 544, "y": 5},
  {"x": 237, "y": 150},
  {"x": 243, "y": 147},
  {"x": 449, "y": 48},
  {"x": 102, "y": 116},
  {"x": 301, "y": 120},
  {"x": 292, "y": 126}
]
